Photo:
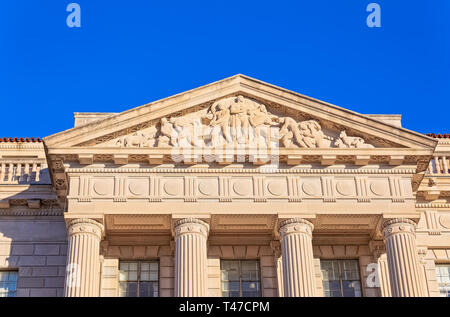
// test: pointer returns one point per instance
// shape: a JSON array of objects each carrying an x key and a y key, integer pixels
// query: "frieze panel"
[{"x": 226, "y": 188}]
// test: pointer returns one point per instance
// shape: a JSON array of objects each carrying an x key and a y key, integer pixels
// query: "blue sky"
[{"x": 128, "y": 53}]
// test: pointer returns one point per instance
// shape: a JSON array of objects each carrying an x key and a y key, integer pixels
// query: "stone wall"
[{"x": 37, "y": 248}]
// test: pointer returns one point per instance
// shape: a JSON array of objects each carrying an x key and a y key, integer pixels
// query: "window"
[
  {"x": 139, "y": 279},
  {"x": 8, "y": 283},
  {"x": 341, "y": 278},
  {"x": 443, "y": 277},
  {"x": 240, "y": 278}
]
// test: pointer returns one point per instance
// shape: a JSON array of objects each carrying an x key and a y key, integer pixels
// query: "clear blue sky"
[{"x": 128, "y": 53}]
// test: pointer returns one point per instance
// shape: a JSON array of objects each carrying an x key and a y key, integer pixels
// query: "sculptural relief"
[
  {"x": 345, "y": 141},
  {"x": 138, "y": 139},
  {"x": 235, "y": 121}
]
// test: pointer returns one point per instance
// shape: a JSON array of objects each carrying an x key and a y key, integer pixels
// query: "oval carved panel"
[
  {"x": 444, "y": 220},
  {"x": 346, "y": 188},
  {"x": 207, "y": 187},
  {"x": 379, "y": 188},
  {"x": 173, "y": 188},
  {"x": 137, "y": 188},
  {"x": 311, "y": 189},
  {"x": 243, "y": 187},
  {"x": 277, "y": 188},
  {"x": 101, "y": 188}
]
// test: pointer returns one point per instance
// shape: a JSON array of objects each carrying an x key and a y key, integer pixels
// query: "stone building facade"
[{"x": 236, "y": 188}]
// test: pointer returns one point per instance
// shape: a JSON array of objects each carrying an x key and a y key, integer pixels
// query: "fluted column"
[
  {"x": 191, "y": 274},
  {"x": 383, "y": 276},
  {"x": 82, "y": 271},
  {"x": 401, "y": 251},
  {"x": 297, "y": 257}
]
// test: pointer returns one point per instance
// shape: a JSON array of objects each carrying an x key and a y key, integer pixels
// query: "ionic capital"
[
  {"x": 85, "y": 226},
  {"x": 295, "y": 225},
  {"x": 191, "y": 225},
  {"x": 397, "y": 226}
]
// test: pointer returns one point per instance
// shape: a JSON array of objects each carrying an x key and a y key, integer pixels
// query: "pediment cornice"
[{"x": 274, "y": 98}]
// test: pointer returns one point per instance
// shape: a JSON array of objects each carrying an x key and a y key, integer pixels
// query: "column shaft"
[
  {"x": 402, "y": 258},
  {"x": 82, "y": 270},
  {"x": 297, "y": 258},
  {"x": 383, "y": 276},
  {"x": 191, "y": 257}
]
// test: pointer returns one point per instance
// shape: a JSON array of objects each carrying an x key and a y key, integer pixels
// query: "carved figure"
[
  {"x": 239, "y": 119},
  {"x": 189, "y": 131},
  {"x": 138, "y": 139},
  {"x": 311, "y": 134},
  {"x": 221, "y": 119},
  {"x": 168, "y": 134},
  {"x": 289, "y": 130},
  {"x": 345, "y": 141}
]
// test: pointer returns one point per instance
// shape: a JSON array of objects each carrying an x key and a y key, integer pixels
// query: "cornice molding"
[
  {"x": 39, "y": 213},
  {"x": 20, "y": 146},
  {"x": 241, "y": 171},
  {"x": 432, "y": 205}
]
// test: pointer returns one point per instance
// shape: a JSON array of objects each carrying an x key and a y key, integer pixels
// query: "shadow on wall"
[{"x": 33, "y": 240}]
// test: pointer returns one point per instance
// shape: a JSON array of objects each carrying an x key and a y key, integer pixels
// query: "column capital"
[
  {"x": 295, "y": 225},
  {"x": 190, "y": 225},
  {"x": 85, "y": 225},
  {"x": 398, "y": 225}
]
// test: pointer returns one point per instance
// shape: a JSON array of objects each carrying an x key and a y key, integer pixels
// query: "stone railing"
[
  {"x": 21, "y": 171},
  {"x": 439, "y": 165}
]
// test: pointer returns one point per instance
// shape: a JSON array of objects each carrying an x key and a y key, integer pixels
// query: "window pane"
[
  {"x": 139, "y": 279},
  {"x": 8, "y": 283},
  {"x": 249, "y": 265},
  {"x": 443, "y": 278},
  {"x": 230, "y": 275},
  {"x": 133, "y": 266},
  {"x": 351, "y": 288},
  {"x": 148, "y": 289},
  {"x": 145, "y": 266},
  {"x": 153, "y": 276},
  {"x": 240, "y": 278},
  {"x": 132, "y": 276},
  {"x": 154, "y": 266},
  {"x": 332, "y": 288},
  {"x": 132, "y": 289},
  {"x": 250, "y": 288},
  {"x": 341, "y": 278}
]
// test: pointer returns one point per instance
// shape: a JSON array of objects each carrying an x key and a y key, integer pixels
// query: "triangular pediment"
[{"x": 220, "y": 113}]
